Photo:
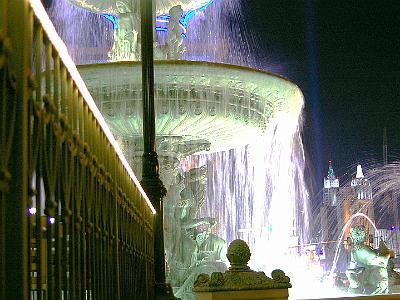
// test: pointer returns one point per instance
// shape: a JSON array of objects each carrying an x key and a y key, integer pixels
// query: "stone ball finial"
[{"x": 238, "y": 255}]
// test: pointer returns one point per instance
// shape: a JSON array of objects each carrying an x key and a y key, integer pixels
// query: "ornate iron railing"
[{"x": 74, "y": 222}]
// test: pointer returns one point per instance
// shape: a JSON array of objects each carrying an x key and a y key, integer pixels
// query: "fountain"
[
  {"x": 198, "y": 114},
  {"x": 228, "y": 139}
]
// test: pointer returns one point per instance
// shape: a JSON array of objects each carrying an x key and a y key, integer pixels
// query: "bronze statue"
[{"x": 367, "y": 273}]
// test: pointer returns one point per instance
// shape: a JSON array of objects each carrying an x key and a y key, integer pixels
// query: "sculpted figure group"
[
  {"x": 367, "y": 273},
  {"x": 191, "y": 246},
  {"x": 127, "y": 35}
]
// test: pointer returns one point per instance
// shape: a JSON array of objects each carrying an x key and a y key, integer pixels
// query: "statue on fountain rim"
[
  {"x": 367, "y": 273},
  {"x": 173, "y": 48},
  {"x": 126, "y": 35}
]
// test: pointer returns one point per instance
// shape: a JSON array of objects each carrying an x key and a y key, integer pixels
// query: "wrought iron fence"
[{"x": 74, "y": 222}]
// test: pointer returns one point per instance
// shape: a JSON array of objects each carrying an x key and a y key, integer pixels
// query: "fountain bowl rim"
[{"x": 194, "y": 63}]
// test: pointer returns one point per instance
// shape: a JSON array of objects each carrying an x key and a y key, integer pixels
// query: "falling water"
[
  {"x": 88, "y": 36},
  {"x": 215, "y": 34},
  {"x": 255, "y": 192},
  {"x": 340, "y": 240},
  {"x": 218, "y": 34},
  {"x": 385, "y": 181}
]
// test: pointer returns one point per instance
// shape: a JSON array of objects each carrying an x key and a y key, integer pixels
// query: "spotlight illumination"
[
  {"x": 62, "y": 50},
  {"x": 161, "y": 29},
  {"x": 113, "y": 19},
  {"x": 51, "y": 220},
  {"x": 32, "y": 211}
]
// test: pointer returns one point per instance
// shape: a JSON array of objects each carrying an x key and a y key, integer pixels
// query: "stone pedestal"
[
  {"x": 240, "y": 282},
  {"x": 270, "y": 294}
]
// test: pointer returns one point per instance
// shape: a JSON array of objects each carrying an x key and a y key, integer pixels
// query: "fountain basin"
[{"x": 216, "y": 105}]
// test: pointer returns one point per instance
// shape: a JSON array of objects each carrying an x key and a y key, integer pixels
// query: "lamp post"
[{"x": 151, "y": 181}]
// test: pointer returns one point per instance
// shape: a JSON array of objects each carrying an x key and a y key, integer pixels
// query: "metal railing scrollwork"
[{"x": 71, "y": 209}]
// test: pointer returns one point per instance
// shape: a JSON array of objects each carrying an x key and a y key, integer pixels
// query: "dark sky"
[{"x": 345, "y": 57}]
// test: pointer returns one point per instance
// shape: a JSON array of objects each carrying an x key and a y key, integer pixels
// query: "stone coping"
[{"x": 270, "y": 294}]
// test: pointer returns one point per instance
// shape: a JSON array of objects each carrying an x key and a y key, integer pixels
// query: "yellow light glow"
[{"x": 59, "y": 45}]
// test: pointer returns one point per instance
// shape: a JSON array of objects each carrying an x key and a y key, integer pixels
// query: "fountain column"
[{"x": 151, "y": 181}]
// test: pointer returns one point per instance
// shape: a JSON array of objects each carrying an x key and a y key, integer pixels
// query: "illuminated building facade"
[
  {"x": 340, "y": 204},
  {"x": 329, "y": 204},
  {"x": 330, "y": 214},
  {"x": 360, "y": 200}
]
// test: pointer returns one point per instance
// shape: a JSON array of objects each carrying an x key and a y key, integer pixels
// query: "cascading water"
[
  {"x": 215, "y": 34},
  {"x": 255, "y": 192},
  {"x": 88, "y": 36},
  {"x": 340, "y": 240},
  {"x": 386, "y": 182}
]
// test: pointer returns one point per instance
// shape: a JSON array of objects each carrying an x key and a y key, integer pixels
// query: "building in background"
[
  {"x": 329, "y": 211},
  {"x": 358, "y": 200},
  {"x": 339, "y": 205},
  {"x": 330, "y": 217}
]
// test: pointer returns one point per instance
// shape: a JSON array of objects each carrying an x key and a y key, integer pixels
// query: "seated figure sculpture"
[
  {"x": 393, "y": 276},
  {"x": 126, "y": 36},
  {"x": 208, "y": 256},
  {"x": 367, "y": 273},
  {"x": 191, "y": 246}
]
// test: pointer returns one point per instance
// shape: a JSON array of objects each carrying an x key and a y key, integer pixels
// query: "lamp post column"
[{"x": 151, "y": 181}]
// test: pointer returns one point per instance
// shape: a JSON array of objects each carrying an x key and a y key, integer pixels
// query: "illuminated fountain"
[
  {"x": 228, "y": 142},
  {"x": 211, "y": 108}
]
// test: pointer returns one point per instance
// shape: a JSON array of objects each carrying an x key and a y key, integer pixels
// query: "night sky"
[{"x": 345, "y": 57}]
